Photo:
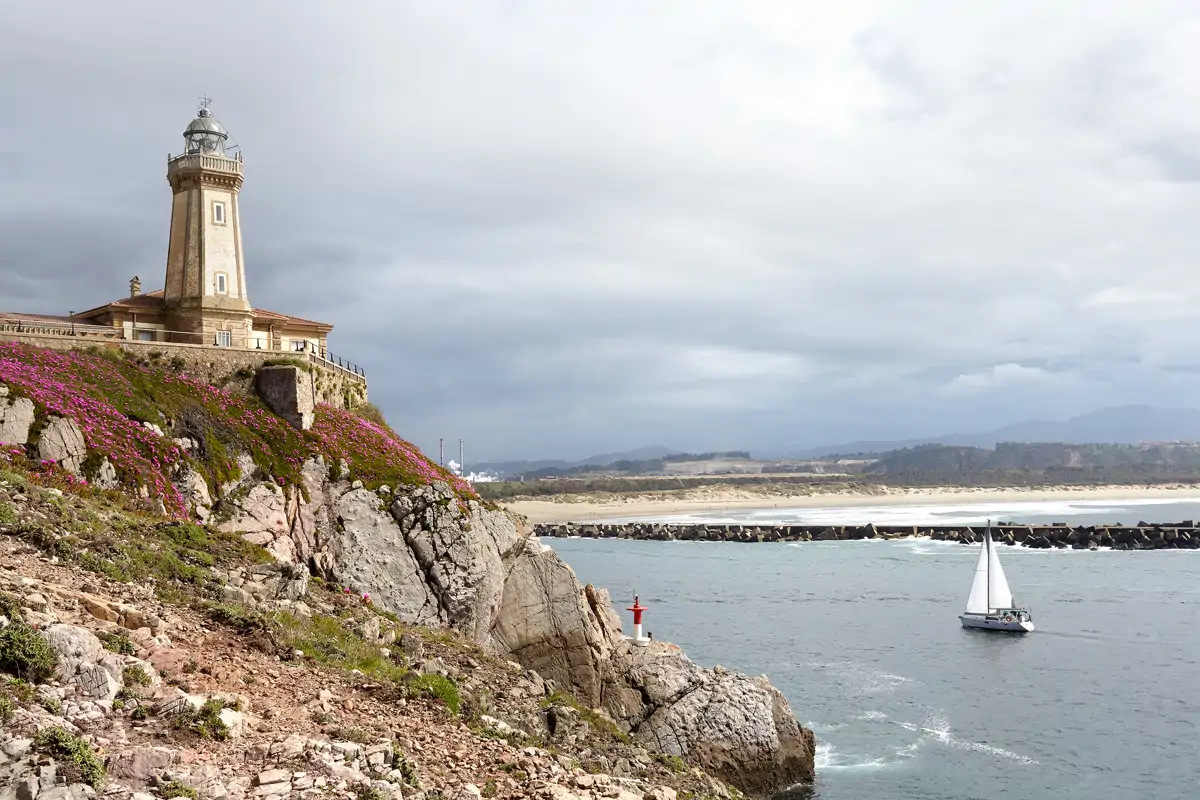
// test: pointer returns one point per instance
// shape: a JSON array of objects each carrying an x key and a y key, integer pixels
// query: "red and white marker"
[{"x": 637, "y": 609}]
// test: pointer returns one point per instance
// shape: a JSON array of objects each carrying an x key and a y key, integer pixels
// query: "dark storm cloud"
[{"x": 552, "y": 229}]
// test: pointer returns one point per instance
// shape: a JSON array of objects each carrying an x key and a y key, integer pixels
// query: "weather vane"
[{"x": 205, "y": 102}]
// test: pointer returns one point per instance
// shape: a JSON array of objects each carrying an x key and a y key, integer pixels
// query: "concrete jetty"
[{"x": 1143, "y": 536}]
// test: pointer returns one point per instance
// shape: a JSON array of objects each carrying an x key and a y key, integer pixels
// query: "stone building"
[{"x": 205, "y": 298}]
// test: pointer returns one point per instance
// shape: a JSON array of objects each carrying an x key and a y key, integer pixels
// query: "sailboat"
[{"x": 990, "y": 604}]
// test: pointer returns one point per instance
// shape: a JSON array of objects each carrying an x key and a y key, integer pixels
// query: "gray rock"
[
  {"x": 261, "y": 517},
  {"x": 27, "y": 788},
  {"x": 17, "y": 748},
  {"x": 289, "y": 392},
  {"x": 16, "y": 417},
  {"x": 274, "y": 776},
  {"x": 106, "y": 476},
  {"x": 413, "y": 646},
  {"x": 74, "y": 646},
  {"x": 61, "y": 441},
  {"x": 141, "y": 764},
  {"x": 194, "y": 490}
]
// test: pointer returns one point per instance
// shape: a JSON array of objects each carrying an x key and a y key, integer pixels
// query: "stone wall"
[{"x": 227, "y": 367}]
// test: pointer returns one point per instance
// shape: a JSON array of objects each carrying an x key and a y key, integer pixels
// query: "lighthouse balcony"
[{"x": 207, "y": 161}]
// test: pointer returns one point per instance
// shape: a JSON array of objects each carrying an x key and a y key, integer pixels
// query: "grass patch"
[
  {"x": 595, "y": 720},
  {"x": 8, "y": 514},
  {"x": 7, "y": 707},
  {"x": 366, "y": 791},
  {"x": 205, "y": 721},
  {"x": 241, "y": 618},
  {"x": 76, "y": 761},
  {"x": 672, "y": 762},
  {"x": 135, "y": 676},
  {"x": 116, "y": 641},
  {"x": 25, "y": 654},
  {"x": 330, "y": 641},
  {"x": 178, "y": 789},
  {"x": 439, "y": 688}
]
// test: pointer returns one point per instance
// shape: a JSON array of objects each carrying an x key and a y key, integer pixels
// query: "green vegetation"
[
  {"x": 671, "y": 762},
  {"x": 178, "y": 789},
  {"x": 365, "y": 791},
  {"x": 51, "y": 704},
  {"x": 7, "y": 707},
  {"x": 76, "y": 761},
  {"x": 23, "y": 652},
  {"x": 205, "y": 721},
  {"x": 116, "y": 641},
  {"x": 438, "y": 687},
  {"x": 135, "y": 676},
  {"x": 8, "y": 514},
  {"x": 242, "y": 619},
  {"x": 331, "y": 641},
  {"x": 598, "y": 722}
]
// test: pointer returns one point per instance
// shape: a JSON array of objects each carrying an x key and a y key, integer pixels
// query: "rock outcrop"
[
  {"x": 62, "y": 442},
  {"x": 16, "y": 417},
  {"x": 432, "y": 559}
]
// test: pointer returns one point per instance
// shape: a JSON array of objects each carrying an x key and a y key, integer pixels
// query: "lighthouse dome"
[{"x": 205, "y": 134}]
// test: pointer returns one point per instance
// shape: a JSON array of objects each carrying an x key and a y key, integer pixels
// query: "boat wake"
[{"x": 937, "y": 728}]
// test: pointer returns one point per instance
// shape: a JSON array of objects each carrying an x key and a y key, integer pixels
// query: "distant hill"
[
  {"x": 1112, "y": 425},
  {"x": 514, "y": 469}
]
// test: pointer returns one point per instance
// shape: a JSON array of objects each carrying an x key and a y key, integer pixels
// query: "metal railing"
[
  {"x": 167, "y": 338},
  {"x": 323, "y": 356}
]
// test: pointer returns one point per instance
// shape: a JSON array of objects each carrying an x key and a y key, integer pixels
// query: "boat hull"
[{"x": 994, "y": 623}]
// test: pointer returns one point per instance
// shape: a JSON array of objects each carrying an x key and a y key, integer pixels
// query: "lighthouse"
[
  {"x": 205, "y": 292},
  {"x": 637, "y": 609}
]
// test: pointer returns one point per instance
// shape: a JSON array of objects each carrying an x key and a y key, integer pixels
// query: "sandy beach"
[{"x": 579, "y": 508}]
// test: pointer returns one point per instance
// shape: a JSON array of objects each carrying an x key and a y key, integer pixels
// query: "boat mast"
[{"x": 987, "y": 545}]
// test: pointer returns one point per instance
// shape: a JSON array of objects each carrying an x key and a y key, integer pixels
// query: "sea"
[{"x": 1101, "y": 702}]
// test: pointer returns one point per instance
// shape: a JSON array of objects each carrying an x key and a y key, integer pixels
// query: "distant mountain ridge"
[
  {"x": 1130, "y": 424},
  {"x": 517, "y": 468}
]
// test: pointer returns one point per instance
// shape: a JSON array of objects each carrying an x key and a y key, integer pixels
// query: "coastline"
[{"x": 649, "y": 506}]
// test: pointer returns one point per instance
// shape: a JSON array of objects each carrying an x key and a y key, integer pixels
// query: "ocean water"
[{"x": 1101, "y": 702}]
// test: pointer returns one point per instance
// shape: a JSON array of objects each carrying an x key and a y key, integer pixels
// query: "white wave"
[
  {"x": 827, "y": 759},
  {"x": 950, "y": 513}
]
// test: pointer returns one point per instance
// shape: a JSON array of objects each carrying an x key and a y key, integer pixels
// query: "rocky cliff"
[
  {"x": 433, "y": 561},
  {"x": 354, "y": 505}
]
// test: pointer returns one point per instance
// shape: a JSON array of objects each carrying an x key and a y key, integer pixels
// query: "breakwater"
[{"x": 1143, "y": 536}]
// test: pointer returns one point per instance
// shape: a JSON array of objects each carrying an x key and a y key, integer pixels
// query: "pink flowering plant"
[
  {"x": 376, "y": 455},
  {"x": 110, "y": 398}
]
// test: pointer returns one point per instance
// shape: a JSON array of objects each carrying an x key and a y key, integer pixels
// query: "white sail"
[
  {"x": 1000, "y": 594},
  {"x": 977, "y": 601}
]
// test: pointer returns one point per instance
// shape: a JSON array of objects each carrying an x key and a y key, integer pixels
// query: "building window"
[
  {"x": 222, "y": 283},
  {"x": 145, "y": 336},
  {"x": 224, "y": 339},
  {"x": 300, "y": 346},
  {"x": 218, "y": 213}
]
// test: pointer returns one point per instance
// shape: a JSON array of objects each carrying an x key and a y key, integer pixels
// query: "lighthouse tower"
[{"x": 204, "y": 295}]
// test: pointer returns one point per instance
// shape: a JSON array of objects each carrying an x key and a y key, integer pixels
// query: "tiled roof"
[
  {"x": 13, "y": 317},
  {"x": 147, "y": 300},
  {"x": 154, "y": 300},
  {"x": 261, "y": 314}
]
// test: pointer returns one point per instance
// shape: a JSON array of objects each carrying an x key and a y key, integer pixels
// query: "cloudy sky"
[{"x": 556, "y": 228}]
